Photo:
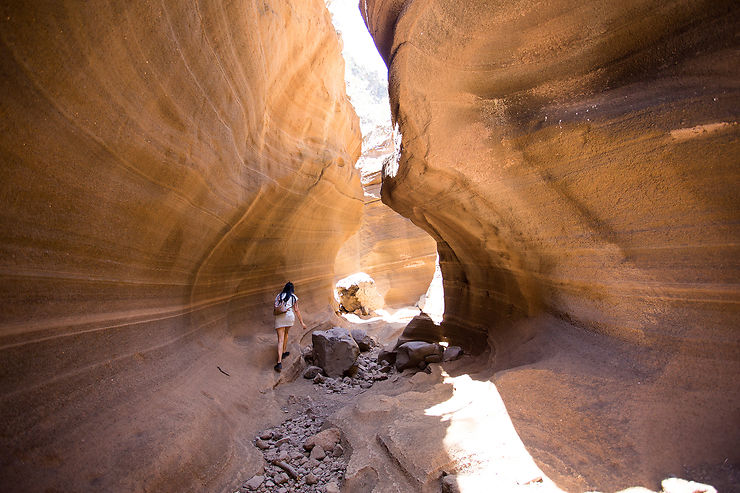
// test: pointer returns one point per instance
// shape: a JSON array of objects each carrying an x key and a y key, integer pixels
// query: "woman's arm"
[{"x": 298, "y": 312}]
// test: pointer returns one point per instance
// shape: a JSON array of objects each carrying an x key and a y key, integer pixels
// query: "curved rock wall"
[
  {"x": 581, "y": 162},
  {"x": 166, "y": 168}
]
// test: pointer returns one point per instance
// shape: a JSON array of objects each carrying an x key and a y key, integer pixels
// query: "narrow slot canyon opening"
[
  {"x": 389, "y": 269},
  {"x": 167, "y": 166}
]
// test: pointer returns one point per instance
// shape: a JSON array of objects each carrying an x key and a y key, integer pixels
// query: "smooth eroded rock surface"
[
  {"x": 166, "y": 167},
  {"x": 582, "y": 163}
]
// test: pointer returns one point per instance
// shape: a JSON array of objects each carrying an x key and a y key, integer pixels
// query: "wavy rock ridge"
[
  {"x": 166, "y": 167},
  {"x": 578, "y": 167}
]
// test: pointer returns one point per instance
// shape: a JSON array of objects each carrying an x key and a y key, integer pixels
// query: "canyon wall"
[
  {"x": 166, "y": 168},
  {"x": 578, "y": 167}
]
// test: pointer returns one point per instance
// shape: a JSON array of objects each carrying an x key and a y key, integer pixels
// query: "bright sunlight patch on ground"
[
  {"x": 490, "y": 456},
  {"x": 482, "y": 441}
]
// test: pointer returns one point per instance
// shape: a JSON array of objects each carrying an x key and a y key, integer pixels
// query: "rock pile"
[
  {"x": 367, "y": 372},
  {"x": 371, "y": 365},
  {"x": 300, "y": 457},
  {"x": 334, "y": 350},
  {"x": 418, "y": 354}
]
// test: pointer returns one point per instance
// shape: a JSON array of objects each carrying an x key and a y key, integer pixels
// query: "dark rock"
[
  {"x": 311, "y": 372},
  {"x": 311, "y": 478},
  {"x": 433, "y": 358},
  {"x": 452, "y": 353},
  {"x": 421, "y": 328},
  {"x": 388, "y": 357},
  {"x": 255, "y": 482},
  {"x": 282, "y": 479},
  {"x": 319, "y": 378},
  {"x": 410, "y": 354},
  {"x": 327, "y": 439},
  {"x": 334, "y": 351},
  {"x": 364, "y": 341},
  {"x": 317, "y": 452}
]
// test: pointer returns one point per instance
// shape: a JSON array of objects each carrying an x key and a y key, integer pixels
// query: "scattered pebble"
[
  {"x": 292, "y": 467},
  {"x": 318, "y": 453}
]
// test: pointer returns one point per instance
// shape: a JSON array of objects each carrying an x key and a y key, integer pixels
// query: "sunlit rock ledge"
[
  {"x": 582, "y": 162},
  {"x": 166, "y": 168}
]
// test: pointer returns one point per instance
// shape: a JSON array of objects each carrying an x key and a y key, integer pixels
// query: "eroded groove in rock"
[
  {"x": 166, "y": 166},
  {"x": 582, "y": 162}
]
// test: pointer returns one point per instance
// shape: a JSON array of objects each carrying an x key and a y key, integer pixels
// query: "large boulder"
[
  {"x": 358, "y": 292},
  {"x": 410, "y": 354},
  {"x": 421, "y": 328},
  {"x": 335, "y": 351}
]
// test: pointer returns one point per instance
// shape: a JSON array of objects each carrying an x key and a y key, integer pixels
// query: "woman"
[{"x": 284, "y": 321}]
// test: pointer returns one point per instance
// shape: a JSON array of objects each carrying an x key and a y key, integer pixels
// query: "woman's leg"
[
  {"x": 285, "y": 339},
  {"x": 281, "y": 342}
]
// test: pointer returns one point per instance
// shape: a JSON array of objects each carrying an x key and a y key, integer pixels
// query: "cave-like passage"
[{"x": 393, "y": 260}]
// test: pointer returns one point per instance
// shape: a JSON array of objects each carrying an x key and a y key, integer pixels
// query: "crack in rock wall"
[
  {"x": 582, "y": 163},
  {"x": 166, "y": 168}
]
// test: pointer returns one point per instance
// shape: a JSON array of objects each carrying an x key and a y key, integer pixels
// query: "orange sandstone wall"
[
  {"x": 572, "y": 160},
  {"x": 166, "y": 167},
  {"x": 582, "y": 161}
]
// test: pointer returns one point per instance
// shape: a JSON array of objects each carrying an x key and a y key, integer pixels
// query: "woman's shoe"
[
  {"x": 278, "y": 367},
  {"x": 286, "y": 353}
]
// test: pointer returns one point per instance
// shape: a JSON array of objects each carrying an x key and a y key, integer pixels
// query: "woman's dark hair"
[{"x": 287, "y": 291}]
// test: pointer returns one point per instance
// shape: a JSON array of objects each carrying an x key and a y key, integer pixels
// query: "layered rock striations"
[
  {"x": 578, "y": 167},
  {"x": 166, "y": 168}
]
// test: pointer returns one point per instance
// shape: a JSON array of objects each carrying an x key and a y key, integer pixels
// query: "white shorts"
[{"x": 286, "y": 319}]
